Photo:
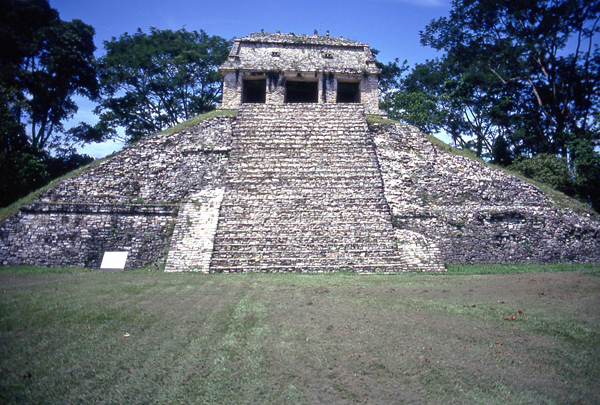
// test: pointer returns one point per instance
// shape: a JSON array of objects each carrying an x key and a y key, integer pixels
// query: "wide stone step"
[
  {"x": 302, "y": 238},
  {"x": 311, "y": 268},
  {"x": 316, "y": 169},
  {"x": 303, "y": 133},
  {"x": 302, "y": 261},
  {"x": 303, "y": 241},
  {"x": 376, "y": 251},
  {"x": 286, "y": 189},
  {"x": 302, "y": 152},
  {"x": 298, "y": 136},
  {"x": 251, "y": 202},
  {"x": 308, "y": 162}
]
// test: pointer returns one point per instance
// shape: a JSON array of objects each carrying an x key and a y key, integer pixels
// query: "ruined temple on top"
[{"x": 275, "y": 68}]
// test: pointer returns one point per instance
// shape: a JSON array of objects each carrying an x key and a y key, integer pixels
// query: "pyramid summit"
[
  {"x": 287, "y": 68},
  {"x": 291, "y": 176}
]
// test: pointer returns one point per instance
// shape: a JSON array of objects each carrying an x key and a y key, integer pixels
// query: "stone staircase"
[
  {"x": 304, "y": 193},
  {"x": 193, "y": 236}
]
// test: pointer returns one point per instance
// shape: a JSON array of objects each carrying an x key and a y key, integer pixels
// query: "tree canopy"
[
  {"x": 156, "y": 80},
  {"x": 44, "y": 62},
  {"x": 517, "y": 78}
]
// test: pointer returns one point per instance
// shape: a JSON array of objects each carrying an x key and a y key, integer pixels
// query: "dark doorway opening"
[
  {"x": 255, "y": 91},
  {"x": 301, "y": 92},
  {"x": 348, "y": 92}
]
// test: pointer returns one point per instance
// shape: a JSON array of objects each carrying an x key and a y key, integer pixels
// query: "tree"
[
  {"x": 156, "y": 80},
  {"x": 522, "y": 49},
  {"x": 524, "y": 72},
  {"x": 548, "y": 169},
  {"x": 44, "y": 61}
]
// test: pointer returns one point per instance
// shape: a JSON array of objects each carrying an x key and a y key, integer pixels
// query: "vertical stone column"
[
  {"x": 330, "y": 88},
  {"x": 232, "y": 90},
  {"x": 275, "y": 88},
  {"x": 322, "y": 89},
  {"x": 369, "y": 94}
]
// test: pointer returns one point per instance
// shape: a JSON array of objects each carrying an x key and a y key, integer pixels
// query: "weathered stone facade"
[
  {"x": 129, "y": 202},
  {"x": 474, "y": 213},
  {"x": 193, "y": 240},
  {"x": 297, "y": 182},
  {"x": 63, "y": 234},
  {"x": 232, "y": 190},
  {"x": 305, "y": 194},
  {"x": 317, "y": 69}
]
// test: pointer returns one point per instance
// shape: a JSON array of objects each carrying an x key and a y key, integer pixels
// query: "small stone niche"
[
  {"x": 297, "y": 91},
  {"x": 254, "y": 90},
  {"x": 348, "y": 92}
]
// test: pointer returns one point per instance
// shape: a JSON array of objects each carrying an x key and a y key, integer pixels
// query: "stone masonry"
[
  {"x": 315, "y": 179},
  {"x": 474, "y": 213},
  {"x": 276, "y": 59},
  {"x": 128, "y": 202},
  {"x": 298, "y": 181},
  {"x": 305, "y": 194},
  {"x": 192, "y": 242}
]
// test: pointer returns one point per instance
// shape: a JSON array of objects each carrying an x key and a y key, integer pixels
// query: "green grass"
[
  {"x": 469, "y": 269},
  {"x": 193, "y": 121},
  {"x": 73, "y": 335}
]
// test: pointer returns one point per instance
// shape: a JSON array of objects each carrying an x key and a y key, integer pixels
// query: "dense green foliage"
[
  {"x": 157, "y": 80},
  {"x": 517, "y": 79},
  {"x": 44, "y": 62}
]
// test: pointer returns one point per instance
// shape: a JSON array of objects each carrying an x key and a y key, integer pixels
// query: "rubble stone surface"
[
  {"x": 474, "y": 213},
  {"x": 304, "y": 187}
]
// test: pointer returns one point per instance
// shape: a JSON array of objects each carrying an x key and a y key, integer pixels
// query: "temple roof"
[{"x": 302, "y": 53}]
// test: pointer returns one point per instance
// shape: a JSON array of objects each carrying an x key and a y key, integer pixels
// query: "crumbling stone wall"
[
  {"x": 79, "y": 234},
  {"x": 128, "y": 202},
  {"x": 158, "y": 169},
  {"x": 474, "y": 213}
]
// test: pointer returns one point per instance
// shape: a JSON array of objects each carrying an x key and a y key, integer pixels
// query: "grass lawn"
[{"x": 518, "y": 335}]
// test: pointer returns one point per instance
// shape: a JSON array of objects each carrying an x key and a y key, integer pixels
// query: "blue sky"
[{"x": 391, "y": 26}]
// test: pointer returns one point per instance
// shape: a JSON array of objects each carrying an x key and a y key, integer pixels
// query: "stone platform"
[{"x": 304, "y": 193}]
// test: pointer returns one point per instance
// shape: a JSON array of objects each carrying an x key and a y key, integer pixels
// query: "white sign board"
[{"x": 114, "y": 260}]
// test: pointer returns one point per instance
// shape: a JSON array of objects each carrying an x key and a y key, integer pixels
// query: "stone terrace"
[{"x": 305, "y": 194}]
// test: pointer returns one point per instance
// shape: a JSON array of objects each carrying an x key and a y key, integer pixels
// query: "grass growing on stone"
[
  {"x": 84, "y": 336},
  {"x": 13, "y": 208},
  {"x": 193, "y": 121}
]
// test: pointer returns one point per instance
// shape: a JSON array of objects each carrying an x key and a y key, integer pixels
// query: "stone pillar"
[
  {"x": 232, "y": 91},
  {"x": 331, "y": 86},
  {"x": 369, "y": 94},
  {"x": 322, "y": 90},
  {"x": 275, "y": 88}
]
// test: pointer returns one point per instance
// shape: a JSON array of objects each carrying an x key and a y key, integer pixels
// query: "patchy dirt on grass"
[{"x": 510, "y": 338}]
